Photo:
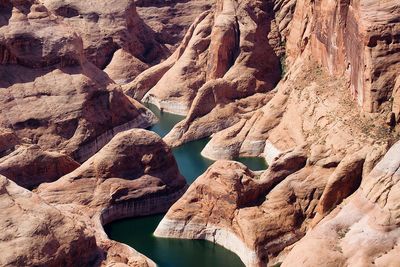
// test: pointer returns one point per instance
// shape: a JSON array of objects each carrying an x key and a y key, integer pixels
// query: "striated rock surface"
[
  {"x": 33, "y": 233},
  {"x": 30, "y": 166},
  {"x": 135, "y": 174},
  {"x": 135, "y": 165},
  {"x": 330, "y": 123},
  {"x": 260, "y": 217},
  {"x": 312, "y": 86},
  {"x": 171, "y": 19},
  {"x": 362, "y": 231},
  {"x": 255, "y": 217},
  {"x": 229, "y": 42},
  {"x": 112, "y": 33},
  {"x": 359, "y": 38},
  {"x": 309, "y": 39},
  {"x": 50, "y": 94}
]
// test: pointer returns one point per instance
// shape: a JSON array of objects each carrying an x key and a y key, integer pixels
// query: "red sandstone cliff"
[{"x": 312, "y": 86}]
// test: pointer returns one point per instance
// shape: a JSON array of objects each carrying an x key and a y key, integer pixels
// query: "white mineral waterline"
[
  {"x": 217, "y": 153},
  {"x": 135, "y": 208},
  {"x": 144, "y": 120},
  {"x": 270, "y": 152},
  {"x": 169, "y": 106},
  {"x": 180, "y": 229}
]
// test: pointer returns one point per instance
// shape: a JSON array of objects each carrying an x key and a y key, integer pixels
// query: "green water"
[
  {"x": 138, "y": 232},
  {"x": 167, "y": 252},
  {"x": 255, "y": 164}
]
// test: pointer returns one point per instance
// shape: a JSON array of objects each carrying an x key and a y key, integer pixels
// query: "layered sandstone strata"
[
  {"x": 294, "y": 32},
  {"x": 33, "y": 233},
  {"x": 135, "y": 174},
  {"x": 136, "y": 165},
  {"x": 29, "y": 166},
  {"x": 230, "y": 42},
  {"x": 359, "y": 38},
  {"x": 114, "y": 36},
  {"x": 312, "y": 108},
  {"x": 364, "y": 230},
  {"x": 50, "y": 94},
  {"x": 309, "y": 107},
  {"x": 260, "y": 216},
  {"x": 171, "y": 19}
]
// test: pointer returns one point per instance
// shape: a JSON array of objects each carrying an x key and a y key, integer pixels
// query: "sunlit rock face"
[
  {"x": 135, "y": 174},
  {"x": 134, "y": 165},
  {"x": 171, "y": 19},
  {"x": 51, "y": 95},
  {"x": 35, "y": 233},
  {"x": 311, "y": 86},
  {"x": 360, "y": 38},
  {"x": 337, "y": 103}
]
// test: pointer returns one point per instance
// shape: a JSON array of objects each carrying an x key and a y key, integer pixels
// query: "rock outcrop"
[
  {"x": 171, "y": 19},
  {"x": 312, "y": 107},
  {"x": 50, "y": 94},
  {"x": 58, "y": 108},
  {"x": 135, "y": 174},
  {"x": 226, "y": 56},
  {"x": 113, "y": 35},
  {"x": 362, "y": 231},
  {"x": 29, "y": 166},
  {"x": 360, "y": 38},
  {"x": 302, "y": 35},
  {"x": 8, "y": 141},
  {"x": 33, "y": 233},
  {"x": 311, "y": 85},
  {"x": 135, "y": 165},
  {"x": 260, "y": 217}
]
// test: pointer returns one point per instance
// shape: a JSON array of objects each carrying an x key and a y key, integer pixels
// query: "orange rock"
[
  {"x": 30, "y": 166},
  {"x": 361, "y": 231}
]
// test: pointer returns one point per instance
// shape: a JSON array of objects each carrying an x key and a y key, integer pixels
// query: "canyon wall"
[
  {"x": 135, "y": 174},
  {"x": 324, "y": 127},
  {"x": 61, "y": 63},
  {"x": 311, "y": 85},
  {"x": 356, "y": 38},
  {"x": 52, "y": 95}
]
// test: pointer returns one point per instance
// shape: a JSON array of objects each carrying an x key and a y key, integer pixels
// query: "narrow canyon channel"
[{"x": 138, "y": 232}]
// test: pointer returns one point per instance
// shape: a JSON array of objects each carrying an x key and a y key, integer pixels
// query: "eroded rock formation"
[
  {"x": 223, "y": 43},
  {"x": 298, "y": 33},
  {"x": 51, "y": 95},
  {"x": 171, "y": 19},
  {"x": 362, "y": 231},
  {"x": 29, "y": 166},
  {"x": 35, "y": 233},
  {"x": 257, "y": 217},
  {"x": 320, "y": 143},
  {"x": 112, "y": 34},
  {"x": 312, "y": 86},
  {"x": 135, "y": 165},
  {"x": 58, "y": 108},
  {"x": 135, "y": 174}
]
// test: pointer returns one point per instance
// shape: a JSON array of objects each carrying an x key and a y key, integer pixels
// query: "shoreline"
[{"x": 168, "y": 228}]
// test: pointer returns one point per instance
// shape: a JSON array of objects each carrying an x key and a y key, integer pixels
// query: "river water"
[{"x": 138, "y": 232}]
